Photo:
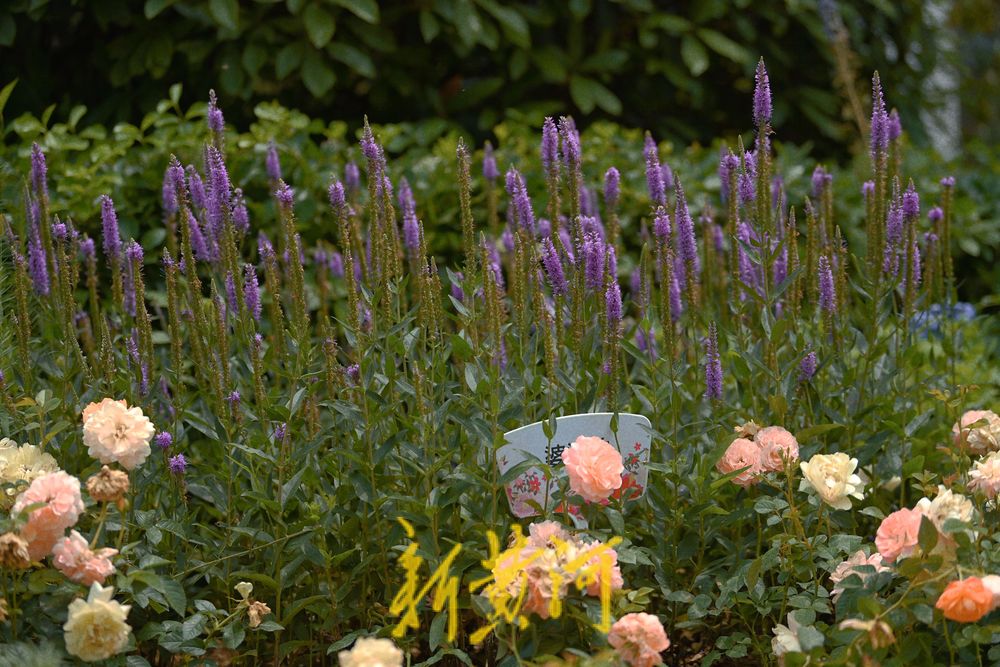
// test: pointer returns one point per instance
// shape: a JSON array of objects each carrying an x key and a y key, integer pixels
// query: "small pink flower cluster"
[
  {"x": 851, "y": 566},
  {"x": 769, "y": 451},
  {"x": 639, "y": 639},
  {"x": 58, "y": 493},
  {"x": 542, "y": 567}
]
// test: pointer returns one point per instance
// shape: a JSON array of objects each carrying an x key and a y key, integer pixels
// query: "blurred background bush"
[{"x": 681, "y": 68}]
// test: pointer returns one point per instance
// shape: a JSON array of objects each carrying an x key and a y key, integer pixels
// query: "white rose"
[
  {"x": 832, "y": 478},
  {"x": 946, "y": 505},
  {"x": 785, "y": 638}
]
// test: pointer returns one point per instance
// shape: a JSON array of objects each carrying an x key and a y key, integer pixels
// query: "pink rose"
[
  {"x": 742, "y": 453},
  {"x": 595, "y": 468},
  {"x": 60, "y": 494},
  {"x": 639, "y": 639},
  {"x": 776, "y": 446},
  {"x": 72, "y": 556},
  {"x": 897, "y": 534},
  {"x": 985, "y": 475}
]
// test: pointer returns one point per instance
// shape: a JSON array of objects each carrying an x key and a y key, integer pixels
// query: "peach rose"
[
  {"x": 596, "y": 567},
  {"x": 985, "y": 475},
  {"x": 72, "y": 556},
  {"x": 979, "y": 430},
  {"x": 595, "y": 468},
  {"x": 897, "y": 535},
  {"x": 639, "y": 639},
  {"x": 776, "y": 446},
  {"x": 966, "y": 600},
  {"x": 60, "y": 494},
  {"x": 114, "y": 432},
  {"x": 741, "y": 453}
]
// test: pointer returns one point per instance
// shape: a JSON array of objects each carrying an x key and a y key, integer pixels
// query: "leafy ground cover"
[{"x": 310, "y": 348}]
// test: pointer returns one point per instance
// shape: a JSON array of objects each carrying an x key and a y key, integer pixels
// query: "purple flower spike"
[
  {"x": 354, "y": 373},
  {"x": 38, "y": 172},
  {"x": 168, "y": 193},
  {"x": 59, "y": 231},
  {"x": 163, "y": 439},
  {"x": 231, "y": 292},
  {"x": 880, "y": 120},
  {"x": 613, "y": 305},
  {"x": 273, "y": 162},
  {"x": 241, "y": 219},
  {"x": 177, "y": 464},
  {"x": 686, "y": 244},
  {"x": 284, "y": 194},
  {"x": 808, "y": 366},
  {"x": 868, "y": 189},
  {"x": 369, "y": 147},
  {"x": 611, "y": 187},
  {"x": 336, "y": 194},
  {"x": 948, "y": 182},
  {"x": 827, "y": 294},
  {"x": 215, "y": 121},
  {"x": 251, "y": 291},
  {"x": 87, "y": 248},
  {"x": 553, "y": 268},
  {"x": 911, "y": 204},
  {"x": 761, "y": 96},
  {"x": 412, "y": 233},
  {"x": 661, "y": 224},
  {"x": 593, "y": 258},
  {"x": 197, "y": 188},
  {"x": 935, "y": 214},
  {"x": 37, "y": 266},
  {"x": 524, "y": 215},
  {"x": 654, "y": 175},
  {"x": 550, "y": 145},
  {"x": 819, "y": 180},
  {"x": 352, "y": 177},
  {"x": 109, "y": 221},
  {"x": 894, "y": 127},
  {"x": 490, "y": 171},
  {"x": 570, "y": 142},
  {"x": 713, "y": 365},
  {"x": 198, "y": 244}
]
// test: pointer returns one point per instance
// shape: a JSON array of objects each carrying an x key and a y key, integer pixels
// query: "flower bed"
[{"x": 241, "y": 447}]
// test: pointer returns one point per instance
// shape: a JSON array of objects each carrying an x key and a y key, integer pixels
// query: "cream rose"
[
  {"x": 832, "y": 478},
  {"x": 96, "y": 628},
  {"x": 372, "y": 652}
]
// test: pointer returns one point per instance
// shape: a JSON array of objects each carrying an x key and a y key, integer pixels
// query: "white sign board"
[{"x": 632, "y": 440}]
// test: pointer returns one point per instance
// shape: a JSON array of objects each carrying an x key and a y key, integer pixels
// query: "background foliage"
[{"x": 674, "y": 68}]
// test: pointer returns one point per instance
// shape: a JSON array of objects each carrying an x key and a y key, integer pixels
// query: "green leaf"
[
  {"x": 435, "y": 636},
  {"x": 366, "y": 10},
  {"x": 320, "y": 25},
  {"x": 514, "y": 26},
  {"x": 429, "y": 26},
  {"x": 694, "y": 55},
  {"x": 927, "y": 538},
  {"x": 174, "y": 593},
  {"x": 152, "y": 8},
  {"x": 723, "y": 45},
  {"x": 226, "y": 13},
  {"x": 8, "y": 30},
  {"x": 317, "y": 75},
  {"x": 5, "y": 94},
  {"x": 356, "y": 59},
  {"x": 287, "y": 60},
  {"x": 233, "y": 635},
  {"x": 587, "y": 94}
]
